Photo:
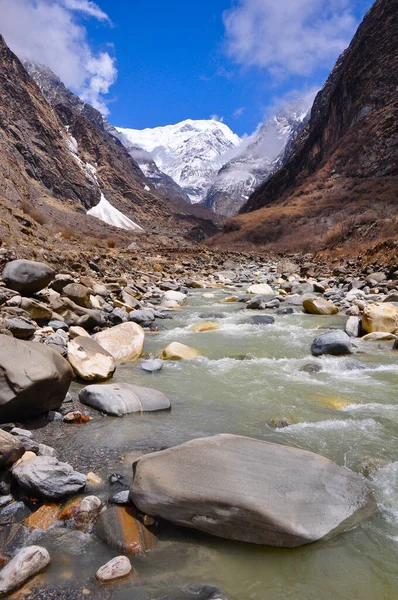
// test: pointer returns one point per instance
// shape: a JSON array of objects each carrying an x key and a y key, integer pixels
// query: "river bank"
[{"x": 257, "y": 380}]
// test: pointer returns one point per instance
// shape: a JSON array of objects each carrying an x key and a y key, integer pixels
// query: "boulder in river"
[
  {"x": 152, "y": 365},
  {"x": 27, "y": 276},
  {"x": 261, "y": 289},
  {"x": 118, "y": 567},
  {"x": 120, "y": 399},
  {"x": 336, "y": 343},
  {"x": 46, "y": 477},
  {"x": 381, "y": 316},
  {"x": 125, "y": 341},
  {"x": 177, "y": 351},
  {"x": 319, "y": 306},
  {"x": 89, "y": 360},
  {"x": 173, "y": 296},
  {"x": 204, "y": 326},
  {"x": 353, "y": 326},
  {"x": 33, "y": 379},
  {"x": 260, "y": 320},
  {"x": 28, "y": 562},
  {"x": 250, "y": 490},
  {"x": 118, "y": 527}
]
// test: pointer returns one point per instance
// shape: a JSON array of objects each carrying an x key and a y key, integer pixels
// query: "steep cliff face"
[{"x": 342, "y": 174}]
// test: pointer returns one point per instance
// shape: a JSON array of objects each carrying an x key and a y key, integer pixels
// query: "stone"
[
  {"x": 336, "y": 343},
  {"x": 353, "y": 327},
  {"x": 33, "y": 379},
  {"x": 261, "y": 289},
  {"x": 260, "y": 320},
  {"x": 11, "y": 449},
  {"x": 210, "y": 316},
  {"x": 118, "y": 567},
  {"x": 311, "y": 367},
  {"x": 228, "y": 300},
  {"x": 120, "y": 498},
  {"x": 118, "y": 528},
  {"x": 120, "y": 399},
  {"x": 76, "y": 417},
  {"x": 125, "y": 341},
  {"x": 378, "y": 336},
  {"x": 20, "y": 327},
  {"x": 43, "y": 517},
  {"x": 76, "y": 331},
  {"x": 46, "y": 477},
  {"x": 78, "y": 293},
  {"x": 287, "y": 310},
  {"x": 26, "y": 564},
  {"x": 320, "y": 306},
  {"x": 177, "y": 351},
  {"x": 174, "y": 296},
  {"x": 257, "y": 303},
  {"x": 250, "y": 490},
  {"x": 153, "y": 365},
  {"x": 142, "y": 317},
  {"x": 89, "y": 360},
  {"x": 38, "y": 311},
  {"x": 27, "y": 276},
  {"x": 204, "y": 326},
  {"x": 380, "y": 316},
  {"x": 93, "y": 479},
  {"x": 302, "y": 288},
  {"x": 87, "y": 513}
]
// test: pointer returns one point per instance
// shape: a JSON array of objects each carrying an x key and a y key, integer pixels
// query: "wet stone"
[{"x": 118, "y": 528}]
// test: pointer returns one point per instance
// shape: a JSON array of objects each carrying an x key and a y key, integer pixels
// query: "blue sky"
[{"x": 156, "y": 62}]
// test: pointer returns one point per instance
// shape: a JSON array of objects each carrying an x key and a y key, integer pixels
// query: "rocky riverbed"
[{"x": 297, "y": 363}]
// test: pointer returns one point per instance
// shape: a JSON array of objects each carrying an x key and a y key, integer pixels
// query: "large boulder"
[
  {"x": 125, "y": 341},
  {"x": 33, "y": 379},
  {"x": 173, "y": 296},
  {"x": 27, "y": 276},
  {"x": 250, "y": 490},
  {"x": 123, "y": 398},
  {"x": 381, "y": 316},
  {"x": 336, "y": 343},
  {"x": 320, "y": 306},
  {"x": 46, "y": 477},
  {"x": 260, "y": 288},
  {"x": 89, "y": 360},
  {"x": 28, "y": 562}
]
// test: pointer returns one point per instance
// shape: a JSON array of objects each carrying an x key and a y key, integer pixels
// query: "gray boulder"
[
  {"x": 260, "y": 320},
  {"x": 27, "y": 276},
  {"x": 249, "y": 490},
  {"x": 33, "y": 379},
  {"x": 45, "y": 477},
  {"x": 20, "y": 327},
  {"x": 336, "y": 343},
  {"x": 152, "y": 365},
  {"x": 142, "y": 317},
  {"x": 120, "y": 399}
]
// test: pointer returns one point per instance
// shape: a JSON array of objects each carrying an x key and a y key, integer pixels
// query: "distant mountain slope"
[
  {"x": 261, "y": 155},
  {"x": 189, "y": 152},
  {"x": 341, "y": 181}
]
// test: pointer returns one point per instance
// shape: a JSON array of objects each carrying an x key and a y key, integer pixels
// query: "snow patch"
[{"x": 111, "y": 215}]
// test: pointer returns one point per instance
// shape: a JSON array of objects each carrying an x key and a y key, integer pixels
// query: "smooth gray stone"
[
  {"x": 120, "y": 399},
  {"x": 336, "y": 343},
  {"x": 260, "y": 320},
  {"x": 120, "y": 498},
  {"x": 46, "y": 477},
  {"x": 27, "y": 276},
  {"x": 152, "y": 365},
  {"x": 250, "y": 490},
  {"x": 142, "y": 317},
  {"x": 288, "y": 310},
  {"x": 33, "y": 379},
  {"x": 20, "y": 327}
]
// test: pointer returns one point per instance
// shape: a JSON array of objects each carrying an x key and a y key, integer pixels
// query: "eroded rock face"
[
  {"x": 249, "y": 490},
  {"x": 33, "y": 379},
  {"x": 27, "y": 276},
  {"x": 125, "y": 341},
  {"x": 120, "y": 399}
]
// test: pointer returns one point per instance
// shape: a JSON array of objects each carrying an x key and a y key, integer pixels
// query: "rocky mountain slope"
[
  {"x": 190, "y": 152},
  {"x": 258, "y": 158},
  {"x": 57, "y": 162},
  {"x": 340, "y": 183}
]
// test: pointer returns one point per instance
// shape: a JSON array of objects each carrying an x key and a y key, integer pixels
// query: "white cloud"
[
  {"x": 239, "y": 112},
  {"x": 288, "y": 36},
  {"x": 88, "y": 8},
  {"x": 217, "y": 118},
  {"x": 46, "y": 31}
]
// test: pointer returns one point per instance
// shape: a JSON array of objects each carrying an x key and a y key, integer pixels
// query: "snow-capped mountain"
[
  {"x": 189, "y": 152},
  {"x": 259, "y": 156}
]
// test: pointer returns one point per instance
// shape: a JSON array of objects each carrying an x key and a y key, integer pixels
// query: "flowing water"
[{"x": 248, "y": 377}]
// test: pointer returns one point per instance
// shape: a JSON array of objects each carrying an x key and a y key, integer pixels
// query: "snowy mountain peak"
[{"x": 190, "y": 152}]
